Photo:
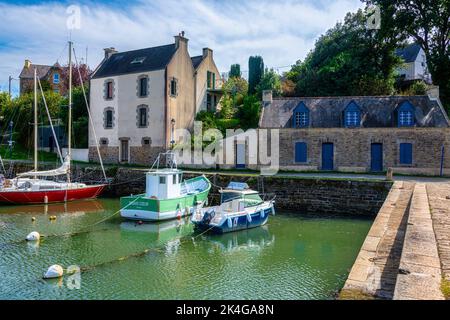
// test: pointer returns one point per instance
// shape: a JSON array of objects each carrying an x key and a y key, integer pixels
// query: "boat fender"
[
  {"x": 236, "y": 220},
  {"x": 178, "y": 214},
  {"x": 45, "y": 199},
  {"x": 273, "y": 210},
  {"x": 249, "y": 218},
  {"x": 187, "y": 211},
  {"x": 230, "y": 223},
  {"x": 53, "y": 272},
  {"x": 33, "y": 236},
  {"x": 262, "y": 214}
]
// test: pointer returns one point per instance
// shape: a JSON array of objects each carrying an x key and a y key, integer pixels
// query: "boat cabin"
[
  {"x": 164, "y": 183},
  {"x": 238, "y": 196}
]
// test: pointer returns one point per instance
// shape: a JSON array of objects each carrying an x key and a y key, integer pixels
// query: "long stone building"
[
  {"x": 139, "y": 98},
  {"x": 410, "y": 134}
]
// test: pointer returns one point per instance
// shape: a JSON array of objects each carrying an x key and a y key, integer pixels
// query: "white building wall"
[{"x": 125, "y": 103}]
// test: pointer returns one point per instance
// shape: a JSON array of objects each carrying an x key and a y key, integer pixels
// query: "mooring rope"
[{"x": 142, "y": 253}]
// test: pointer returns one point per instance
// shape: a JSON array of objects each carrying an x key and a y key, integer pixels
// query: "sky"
[{"x": 281, "y": 31}]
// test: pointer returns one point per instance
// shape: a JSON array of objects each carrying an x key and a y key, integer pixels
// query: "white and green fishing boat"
[{"x": 167, "y": 195}]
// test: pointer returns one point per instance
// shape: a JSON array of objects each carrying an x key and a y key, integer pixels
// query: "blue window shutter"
[
  {"x": 405, "y": 153},
  {"x": 301, "y": 152}
]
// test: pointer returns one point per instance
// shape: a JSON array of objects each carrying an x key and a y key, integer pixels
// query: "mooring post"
[{"x": 390, "y": 174}]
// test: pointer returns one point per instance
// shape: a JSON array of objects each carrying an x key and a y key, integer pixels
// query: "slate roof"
[
  {"x": 156, "y": 58},
  {"x": 196, "y": 61},
  {"x": 408, "y": 53},
  {"x": 41, "y": 71},
  {"x": 328, "y": 112}
]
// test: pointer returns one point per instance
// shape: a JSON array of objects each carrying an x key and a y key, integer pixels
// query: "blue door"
[
  {"x": 327, "y": 156},
  {"x": 376, "y": 163}
]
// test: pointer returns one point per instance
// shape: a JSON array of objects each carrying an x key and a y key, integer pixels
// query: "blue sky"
[{"x": 282, "y": 31}]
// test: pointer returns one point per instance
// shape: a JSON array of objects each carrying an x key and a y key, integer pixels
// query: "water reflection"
[
  {"x": 73, "y": 208},
  {"x": 251, "y": 239}
]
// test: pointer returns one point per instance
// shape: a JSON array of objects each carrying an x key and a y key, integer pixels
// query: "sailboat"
[{"x": 32, "y": 187}]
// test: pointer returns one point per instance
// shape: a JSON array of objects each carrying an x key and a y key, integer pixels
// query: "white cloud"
[{"x": 281, "y": 31}]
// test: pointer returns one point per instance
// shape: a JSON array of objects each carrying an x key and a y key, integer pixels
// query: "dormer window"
[
  {"x": 56, "y": 78},
  {"x": 352, "y": 115},
  {"x": 138, "y": 60},
  {"x": 301, "y": 116},
  {"x": 406, "y": 115}
]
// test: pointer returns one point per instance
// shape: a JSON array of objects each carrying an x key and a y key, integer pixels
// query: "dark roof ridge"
[{"x": 347, "y": 97}]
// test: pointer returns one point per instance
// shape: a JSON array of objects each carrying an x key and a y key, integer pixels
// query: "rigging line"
[
  {"x": 51, "y": 122},
  {"x": 90, "y": 118}
]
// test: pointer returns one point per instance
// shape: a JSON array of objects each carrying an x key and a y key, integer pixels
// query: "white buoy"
[
  {"x": 55, "y": 271},
  {"x": 33, "y": 236}
]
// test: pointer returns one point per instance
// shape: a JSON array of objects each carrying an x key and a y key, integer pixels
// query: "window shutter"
[
  {"x": 301, "y": 152},
  {"x": 405, "y": 153}
]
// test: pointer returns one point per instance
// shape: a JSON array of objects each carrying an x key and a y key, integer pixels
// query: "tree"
[
  {"x": 20, "y": 111},
  {"x": 428, "y": 23},
  {"x": 235, "y": 71},
  {"x": 269, "y": 81},
  {"x": 249, "y": 112},
  {"x": 76, "y": 70},
  {"x": 349, "y": 59},
  {"x": 255, "y": 73}
]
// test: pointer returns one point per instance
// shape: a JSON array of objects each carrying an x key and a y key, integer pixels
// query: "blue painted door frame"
[
  {"x": 376, "y": 162},
  {"x": 327, "y": 156}
]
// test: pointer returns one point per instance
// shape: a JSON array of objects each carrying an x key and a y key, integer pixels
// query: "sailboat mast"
[
  {"x": 69, "y": 140},
  {"x": 35, "y": 124}
]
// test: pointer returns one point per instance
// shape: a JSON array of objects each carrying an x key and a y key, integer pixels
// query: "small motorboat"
[{"x": 240, "y": 208}]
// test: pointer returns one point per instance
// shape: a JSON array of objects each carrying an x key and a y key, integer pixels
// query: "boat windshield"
[{"x": 250, "y": 200}]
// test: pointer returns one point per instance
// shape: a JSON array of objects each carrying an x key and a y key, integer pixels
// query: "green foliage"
[
  {"x": 349, "y": 59},
  {"x": 249, "y": 112},
  {"x": 235, "y": 71},
  {"x": 21, "y": 111},
  {"x": 427, "y": 22},
  {"x": 417, "y": 88},
  {"x": 269, "y": 81},
  {"x": 255, "y": 73},
  {"x": 80, "y": 132}
]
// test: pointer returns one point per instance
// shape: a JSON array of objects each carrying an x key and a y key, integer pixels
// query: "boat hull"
[
  {"x": 238, "y": 223},
  {"x": 50, "y": 196}
]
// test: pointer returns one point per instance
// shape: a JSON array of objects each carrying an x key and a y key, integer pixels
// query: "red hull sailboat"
[
  {"x": 37, "y": 197},
  {"x": 32, "y": 187}
]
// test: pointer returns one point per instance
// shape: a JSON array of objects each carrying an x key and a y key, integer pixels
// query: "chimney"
[
  {"x": 267, "y": 98},
  {"x": 207, "y": 52},
  {"x": 180, "y": 40},
  {"x": 27, "y": 63},
  {"x": 109, "y": 52}
]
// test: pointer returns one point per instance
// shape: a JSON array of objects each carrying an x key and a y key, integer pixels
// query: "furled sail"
[{"x": 64, "y": 169}]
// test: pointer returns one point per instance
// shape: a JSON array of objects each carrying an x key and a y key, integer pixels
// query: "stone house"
[
  {"x": 415, "y": 63},
  {"x": 410, "y": 134},
  {"x": 139, "y": 98},
  {"x": 52, "y": 75}
]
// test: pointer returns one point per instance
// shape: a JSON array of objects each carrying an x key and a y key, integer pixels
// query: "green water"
[{"x": 293, "y": 257}]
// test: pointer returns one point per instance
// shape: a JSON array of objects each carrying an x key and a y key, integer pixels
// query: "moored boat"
[
  {"x": 167, "y": 196},
  {"x": 240, "y": 208},
  {"x": 32, "y": 187}
]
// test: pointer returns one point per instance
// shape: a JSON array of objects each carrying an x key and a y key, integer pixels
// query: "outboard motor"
[{"x": 208, "y": 216}]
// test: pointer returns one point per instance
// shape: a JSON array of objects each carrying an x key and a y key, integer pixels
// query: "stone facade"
[{"x": 353, "y": 148}]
